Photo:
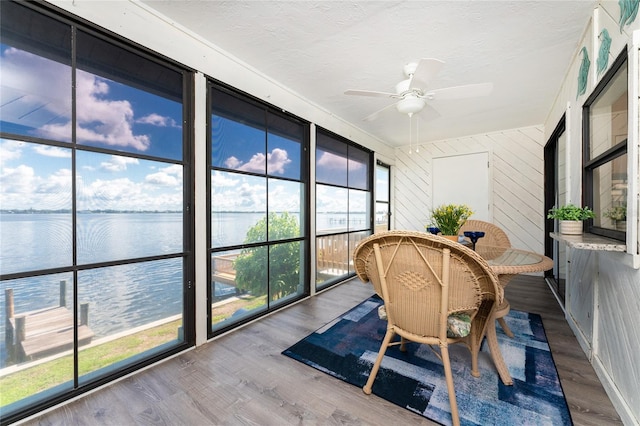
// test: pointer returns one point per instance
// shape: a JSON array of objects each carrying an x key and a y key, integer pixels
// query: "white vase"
[
  {"x": 570, "y": 227},
  {"x": 621, "y": 225}
]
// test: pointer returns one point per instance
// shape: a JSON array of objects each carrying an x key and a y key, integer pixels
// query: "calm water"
[{"x": 119, "y": 297}]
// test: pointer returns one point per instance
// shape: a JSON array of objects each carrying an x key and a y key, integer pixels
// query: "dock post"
[
  {"x": 21, "y": 334},
  {"x": 21, "y": 328},
  {"x": 8, "y": 328},
  {"x": 63, "y": 293},
  {"x": 84, "y": 314}
]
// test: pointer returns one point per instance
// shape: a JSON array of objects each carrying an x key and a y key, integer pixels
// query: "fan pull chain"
[
  {"x": 417, "y": 136},
  {"x": 410, "y": 115}
]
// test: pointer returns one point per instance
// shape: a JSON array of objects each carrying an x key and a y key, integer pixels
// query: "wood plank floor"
[{"x": 242, "y": 378}]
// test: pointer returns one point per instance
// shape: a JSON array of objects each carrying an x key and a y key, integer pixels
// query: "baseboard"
[
  {"x": 621, "y": 406},
  {"x": 583, "y": 341}
]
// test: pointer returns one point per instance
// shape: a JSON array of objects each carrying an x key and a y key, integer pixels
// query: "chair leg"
[
  {"x": 403, "y": 344},
  {"x": 376, "y": 365},
  {"x": 505, "y": 327},
  {"x": 455, "y": 418}
]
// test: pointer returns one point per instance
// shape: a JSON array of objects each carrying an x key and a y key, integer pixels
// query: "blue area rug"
[{"x": 347, "y": 347}]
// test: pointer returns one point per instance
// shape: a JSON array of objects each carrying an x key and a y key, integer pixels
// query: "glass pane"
[
  {"x": 359, "y": 210},
  {"x": 332, "y": 207},
  {"x": 35, "y": 88},
  {"x": 331, "y": 160},
  {"x": 238, "y": 135},
  {"x": 354, "y": 240},
  {"x": 358, "y": 168},
  {"x": 382, "y": 183},
  {"x": 126, "y": 102},
  {"x": 127, "y": 208},
  {"x": 382, "y": 217},
  {"x": 28, "y": 307},
  {"x": 132, "y": 309},
  {"x": 116, "y": 116},
  {"x": 35, "y": 207},
  {"x": 284, "y": 149},
  {"x": 238, "y": 204},
  {"x": 608, "y": 115},
  {"x": 246, "y": 270},
  {"x": 285, "y": 275},
  {"x": 285, "y": 205},
  {"x": 610, "y": 183},
  {"x": 332, "y": 257}
]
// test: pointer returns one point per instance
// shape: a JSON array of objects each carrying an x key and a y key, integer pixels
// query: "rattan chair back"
[{"x": 493, "y": 234}]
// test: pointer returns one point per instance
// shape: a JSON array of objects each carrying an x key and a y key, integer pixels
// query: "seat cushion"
[{"x": 458, "y": 324}]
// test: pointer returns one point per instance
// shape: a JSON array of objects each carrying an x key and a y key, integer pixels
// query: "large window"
[
  {"x": 95, "y": 247},
  {"x": 383, "y": 197},
  {"x": 343, "y": 205},
  {"x": 605, "y": 152},
  {"x": 258, "y": 207}
]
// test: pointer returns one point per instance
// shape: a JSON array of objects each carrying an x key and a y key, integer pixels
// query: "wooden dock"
[{"x": 43, "y": 332}]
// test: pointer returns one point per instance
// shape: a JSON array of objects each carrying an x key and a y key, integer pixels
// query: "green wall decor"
[
  {"x": 603, "y": 54},
  {"x": 628, "y": 12},
  {"x": 583, "y": 74}
]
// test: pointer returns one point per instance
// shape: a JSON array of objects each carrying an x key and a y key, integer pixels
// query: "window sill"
[{"x": 590, "y": 242}]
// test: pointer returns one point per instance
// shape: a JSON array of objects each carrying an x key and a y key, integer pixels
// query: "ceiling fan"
[{"x": 412, "y": 94}]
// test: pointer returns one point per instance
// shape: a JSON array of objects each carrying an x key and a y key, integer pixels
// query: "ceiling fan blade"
[
  {"x": 460, "y": 92},
  {"x": 428, "y": 113},
  {"x": 371, "y": 93},
  {"x": 425, "y": 71},
  {"x": 373, "y": 116}
]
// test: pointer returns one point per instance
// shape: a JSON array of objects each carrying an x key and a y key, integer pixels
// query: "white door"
[{"x": 463, "y": 179}]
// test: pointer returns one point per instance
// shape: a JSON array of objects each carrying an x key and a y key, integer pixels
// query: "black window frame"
[
  {"x": 370, "y": 186},
  {"x": 615, "y": 151},
  {"x": 28, "y": 407},
  {"x": 304, "y": 238}
]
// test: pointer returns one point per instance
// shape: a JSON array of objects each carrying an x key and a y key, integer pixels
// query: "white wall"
[
  {"x": 516, "y": 179},
  {"x": 603, "y": 288}
]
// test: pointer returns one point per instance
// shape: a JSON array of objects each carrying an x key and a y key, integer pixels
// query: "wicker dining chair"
[
  {"x": 424, "y": 281},
  {"x": 493, "y": 234},
  {"x": 495, "y": 237}
]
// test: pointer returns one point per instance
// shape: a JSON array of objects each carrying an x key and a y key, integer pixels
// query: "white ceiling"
[{"x": 319, "y": 49}]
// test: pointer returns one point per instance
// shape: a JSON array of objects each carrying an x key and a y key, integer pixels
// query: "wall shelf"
[{"x": 590, "y": 242}]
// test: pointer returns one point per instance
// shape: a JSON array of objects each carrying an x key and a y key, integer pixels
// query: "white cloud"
[
  {"x": 232, "y": 162},
  {"x": 117, "y": 164},
  {"x": 52, "y": 151},
  {"x": 23, "y": 189},
  {"x": 221, "y": 180},
  {"x": 275, "y": 162},
  {"x": 158, "y": 120},
  {"x": 162, "y": 179},
  {"x": 337, "y": 162},
  {"x": 10, "y": 150}
]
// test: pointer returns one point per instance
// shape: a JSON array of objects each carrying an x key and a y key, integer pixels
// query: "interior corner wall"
[{"x": 516, "y": 159}]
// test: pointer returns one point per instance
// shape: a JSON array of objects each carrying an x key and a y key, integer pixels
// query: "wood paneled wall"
[{"x": 516, "y": 174}]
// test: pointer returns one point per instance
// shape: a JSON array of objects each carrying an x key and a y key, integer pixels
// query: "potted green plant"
[
  {"x": 618, "y": 215},
  {"x": 570, "y": 218},
  {"x": 449, "y": 218}
]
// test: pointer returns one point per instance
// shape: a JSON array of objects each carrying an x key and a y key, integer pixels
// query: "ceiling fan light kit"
[{"x": 410, "y": 104}]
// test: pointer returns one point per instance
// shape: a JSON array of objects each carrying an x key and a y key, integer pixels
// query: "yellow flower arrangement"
[{"x": 450, "y": 217}]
